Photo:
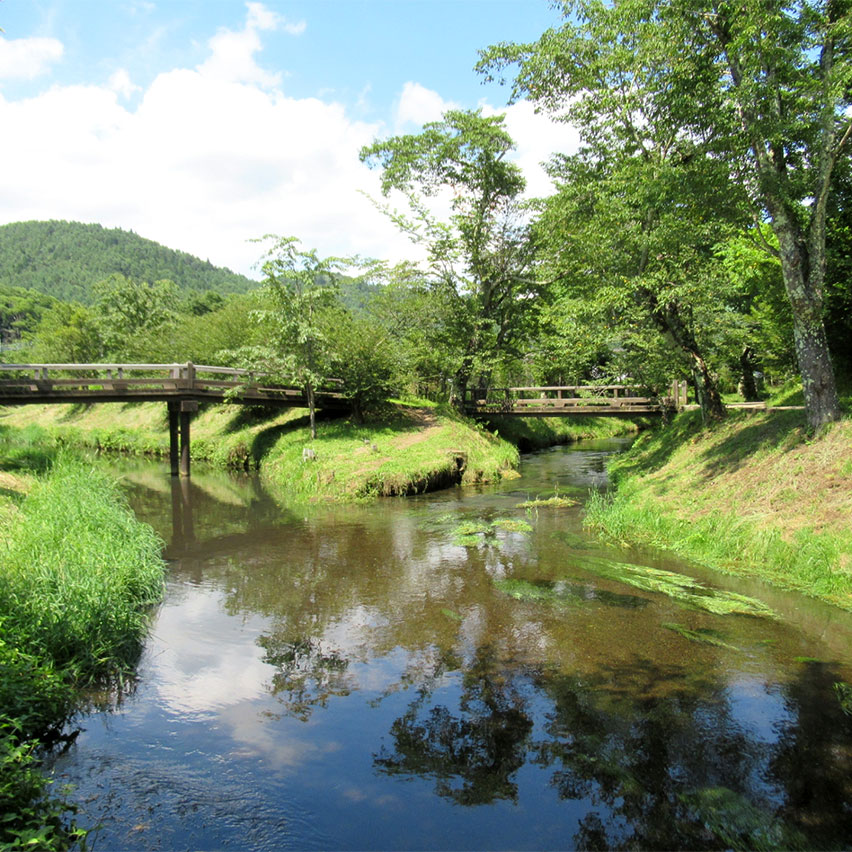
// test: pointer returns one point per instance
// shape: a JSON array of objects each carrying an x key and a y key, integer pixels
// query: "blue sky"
[{"x": 204, "y": 123}]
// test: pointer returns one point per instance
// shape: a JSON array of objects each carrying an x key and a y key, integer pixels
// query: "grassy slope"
[
  {"x": 412, "y": 451},
  {"x": 755, "y": 495},
  {"x": 408, "y": 451}
]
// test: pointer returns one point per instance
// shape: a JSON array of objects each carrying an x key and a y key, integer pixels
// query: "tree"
[
  {"x": 628, "y": 227},
  {"x": 130, "y": 313},
  {"x": 67, "y": 334},
  {"x": 299, "y": 285},
  {"x": 765, "y": 87},
  {"x": 481, "y": 260}
]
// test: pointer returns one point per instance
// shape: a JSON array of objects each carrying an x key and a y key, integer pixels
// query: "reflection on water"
[{"x": 360, "y": 677}]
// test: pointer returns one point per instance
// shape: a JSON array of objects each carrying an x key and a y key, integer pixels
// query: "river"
[{"x": 456, "y": 671}]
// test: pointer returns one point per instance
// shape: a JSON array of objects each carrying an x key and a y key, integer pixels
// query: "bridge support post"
[
  {"x": 174, "y": 450},
  {"x": 187, "y": 407}
]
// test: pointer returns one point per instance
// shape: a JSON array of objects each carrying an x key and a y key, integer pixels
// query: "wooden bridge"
[
  {"x": 573, "y": 401},
  {"x": 181, "y": 386}
]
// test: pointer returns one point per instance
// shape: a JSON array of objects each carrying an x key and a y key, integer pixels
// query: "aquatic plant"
[
  {"x": 686, "y": 590},
  {"x": 559, "y": 594},
  {"x": 703, "y": 635},
  {"x": 843, "y": 691},
  {"x": 555, "y": 502},
  {"x": 474, "y": 533}
]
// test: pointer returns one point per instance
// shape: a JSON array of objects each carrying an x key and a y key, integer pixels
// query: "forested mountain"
[{"x": 65, "y": 260}]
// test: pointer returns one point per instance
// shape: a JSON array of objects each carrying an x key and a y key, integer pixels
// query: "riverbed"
[{"x": 460, "y": 671}]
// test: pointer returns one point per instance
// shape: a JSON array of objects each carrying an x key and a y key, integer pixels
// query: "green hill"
[{"x": 64, "y": 260}]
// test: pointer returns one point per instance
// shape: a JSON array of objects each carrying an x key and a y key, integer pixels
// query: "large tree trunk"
[
  {"x": 748, "y": 386},
  {"x": 818, "y": 382},
  {"x": 706, "y": 392}
]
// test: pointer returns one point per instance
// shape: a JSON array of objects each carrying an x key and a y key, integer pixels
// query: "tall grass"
[
  {"x": 77, "y": 571},
  {"x": 77, "y": 575}
]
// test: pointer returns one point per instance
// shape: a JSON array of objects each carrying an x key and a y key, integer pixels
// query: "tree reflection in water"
[
  {"x": 308, "y": 673},
  {"x": 472, "y": 755},
  {"x": 659, "y": 755}
]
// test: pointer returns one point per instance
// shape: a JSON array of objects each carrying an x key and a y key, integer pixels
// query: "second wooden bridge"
[{"x": 573, "y": 400}]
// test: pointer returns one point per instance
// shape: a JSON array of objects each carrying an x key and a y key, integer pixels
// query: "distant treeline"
[{"x": 65, "y": 259}]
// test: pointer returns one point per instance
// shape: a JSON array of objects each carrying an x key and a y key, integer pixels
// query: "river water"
[{"x": 455, "y": 671}]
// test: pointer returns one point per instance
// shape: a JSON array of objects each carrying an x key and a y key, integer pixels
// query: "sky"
[{"x": 206, "y": 124}]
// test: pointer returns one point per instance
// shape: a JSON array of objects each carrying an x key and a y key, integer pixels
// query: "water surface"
[{"x": 369, "y": 677}]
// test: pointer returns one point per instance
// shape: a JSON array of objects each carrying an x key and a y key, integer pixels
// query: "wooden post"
[
  {"x": 187, "y": 407},
  {"x": 174, "y": 451}
]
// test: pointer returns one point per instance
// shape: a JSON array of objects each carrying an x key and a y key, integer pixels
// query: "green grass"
[
  {"x": 756, "y": 495},
  {"x": 78, "y": 571},
  {"x": 78, "y": 576},
  {"x": 235, "y": 436},
  {"x": 402, "y": 454}
]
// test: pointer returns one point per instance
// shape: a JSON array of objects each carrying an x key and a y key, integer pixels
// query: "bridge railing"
[
  {"x": 115, "y": 377},
  {"x": 572, "y": 397}
]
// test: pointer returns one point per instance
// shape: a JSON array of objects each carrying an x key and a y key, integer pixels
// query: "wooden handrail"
[{"x": 167, "y": 368}]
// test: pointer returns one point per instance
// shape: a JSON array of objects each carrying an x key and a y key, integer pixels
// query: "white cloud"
[
  {"x": 208, "y": 158},
  {"x": 26, "y": 58},
  {"x": 232, "y": 52},
  {"x": 121, "y": 84},
  {"x": 537, "y": 138},
  {"x": 418, "y": 105}
]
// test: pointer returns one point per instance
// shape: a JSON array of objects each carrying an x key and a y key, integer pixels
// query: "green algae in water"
[
  {"x": 474, "y": 533},
  {"x": 702, "y": 635},
  {"x": 561, "y": 593},
  {"x": 548, "y": 503},
  {"x": 450, "y": 614},
  {"x": 558, "y": 594},
  {"x": 511, "y": 525},
  {"x": 738, "y": 824},
  {"x": 686, "y": 590}
]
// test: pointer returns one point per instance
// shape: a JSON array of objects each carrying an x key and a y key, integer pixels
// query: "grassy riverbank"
[
  {"x": 407, "y": 450},
  {"x": 77, "y": 577},
  {"x": 755, "y": 495}
]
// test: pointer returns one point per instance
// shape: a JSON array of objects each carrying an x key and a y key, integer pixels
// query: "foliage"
[
  {"x": 480, "y": 261},
  {"x": 32, "y": 817},
  {"x": 65, "y": 260},
  {"x": 20, "y": 311},
  {"x": 365, "y": 358},
  {"x": 761, "y": 91},
  {"x": 68, "y": 333},
  {"x": 299, "y": 286},
  {"x": 130, "y": 312}
]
